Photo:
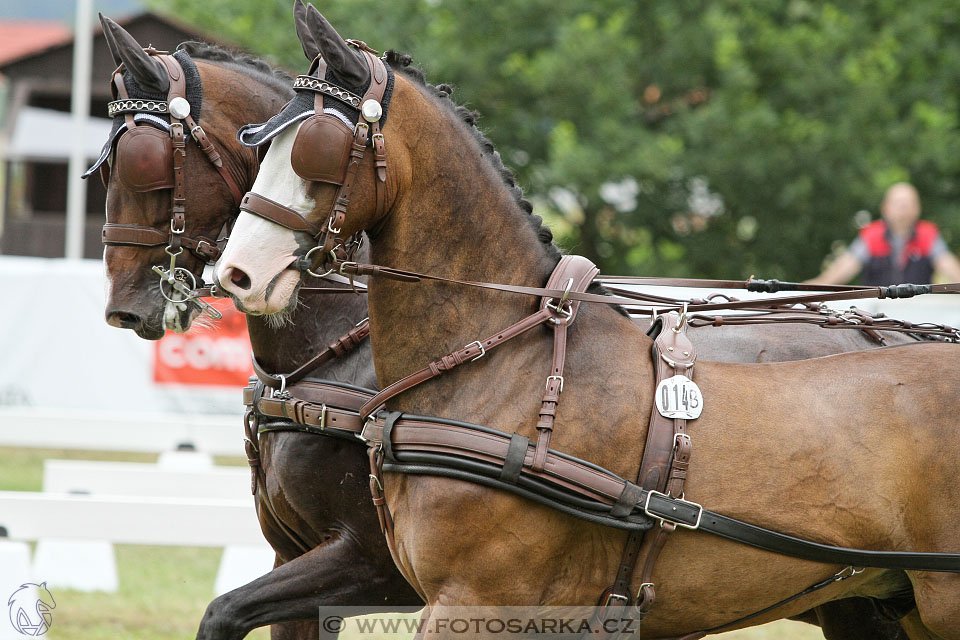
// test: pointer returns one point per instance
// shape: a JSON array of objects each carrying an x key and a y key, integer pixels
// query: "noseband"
[
  {"x": 326, "y": 150},
  {"x": 147, "y": 160}
]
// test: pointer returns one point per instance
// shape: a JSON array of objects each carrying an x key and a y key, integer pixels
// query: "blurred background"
[{"x": 708, "y": 139}]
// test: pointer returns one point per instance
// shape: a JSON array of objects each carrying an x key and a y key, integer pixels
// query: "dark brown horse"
[
  {"x": 848, "y": 449},
  {"x": 318, "y": 486}
]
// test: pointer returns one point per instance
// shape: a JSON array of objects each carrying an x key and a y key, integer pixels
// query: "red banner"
[{"x": 217, "y": 355}]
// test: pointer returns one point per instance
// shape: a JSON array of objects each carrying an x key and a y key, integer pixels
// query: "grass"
[{"x": 164, "y": 591}]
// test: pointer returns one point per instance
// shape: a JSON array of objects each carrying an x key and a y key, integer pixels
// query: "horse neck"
[
  {"x": 237, "y": 96},
  {"x": 319, "y": 319},
  {"x": 455, "y": 218}
]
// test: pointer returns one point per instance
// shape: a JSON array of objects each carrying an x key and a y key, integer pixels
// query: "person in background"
[{"x": 897, "y": 249}]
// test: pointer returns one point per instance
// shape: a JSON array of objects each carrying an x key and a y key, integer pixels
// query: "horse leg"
[
  {"x": 914, "y": 627},
  {"x": 333, "y": 574},
  {"x": 299, "y": 630},
  {"x": 233, "y": 615},
  {"x": 938, "y": 604},
  {"x": 856, "y": 619}
]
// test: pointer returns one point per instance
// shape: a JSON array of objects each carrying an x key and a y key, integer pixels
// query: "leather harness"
[
  {"x": 433, "y": 446},
  {"x": 175, "y": 238},
  {"x": 423, "y": 445},
  {"x": 329, "y": 244}
]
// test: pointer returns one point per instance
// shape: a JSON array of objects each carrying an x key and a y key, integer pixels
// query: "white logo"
[{"x": 30, "y": 607}]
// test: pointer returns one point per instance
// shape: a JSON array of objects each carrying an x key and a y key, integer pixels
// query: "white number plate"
[{"x": 679, "y": 397}]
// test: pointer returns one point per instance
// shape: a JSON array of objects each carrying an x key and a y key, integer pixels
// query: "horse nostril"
[
  {"x": 239, "y": 278},
  {"x": 124, "y": 320}
]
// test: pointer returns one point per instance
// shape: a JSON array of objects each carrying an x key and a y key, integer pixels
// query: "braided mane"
[
  {"x": 240, "y": 61},
  {"x": 401, "y": 62}
]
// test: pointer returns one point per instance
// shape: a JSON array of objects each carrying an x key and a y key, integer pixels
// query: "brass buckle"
[
  {"x": 323, "y": 416},
  {"x": 692, "y": 527}
]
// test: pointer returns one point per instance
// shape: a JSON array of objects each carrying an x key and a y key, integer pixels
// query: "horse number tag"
[{"x": 679, "y": 397}]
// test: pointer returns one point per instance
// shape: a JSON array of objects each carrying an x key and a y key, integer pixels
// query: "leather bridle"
[
  {"x": 174, "y": 239},
  {"x": 332, "y": 248}
]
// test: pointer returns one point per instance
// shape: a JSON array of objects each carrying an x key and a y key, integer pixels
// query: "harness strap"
[
  {"x": 666, "y": 456},
  {"x": 114, "y": 234},
  {"x": 337, "y": 349},
  {"x": 277, "y": 213},
  {"x": 258, "y": 484},
  {"x": 573, "y": 273},
  {"x": 415, "y": 436},
  {"x": 472, "y": 351}
]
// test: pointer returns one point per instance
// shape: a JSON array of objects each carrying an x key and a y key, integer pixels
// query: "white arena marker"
[
  {"x": 241, "y": 564},
  {"x": 82, "y": 565}
]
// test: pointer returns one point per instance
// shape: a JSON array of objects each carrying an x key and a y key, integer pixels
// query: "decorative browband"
[
  {"x": 309, "y": 83},
  {"x": 118, "y": 107}
]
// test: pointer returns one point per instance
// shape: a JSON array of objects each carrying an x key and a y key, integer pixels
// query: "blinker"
[
  {"x": 145, "y": 159},
  {"x": 321, "y": 151}
]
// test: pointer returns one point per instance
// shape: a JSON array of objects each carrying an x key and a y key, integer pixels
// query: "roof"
[{"x": 19, "y": 38}]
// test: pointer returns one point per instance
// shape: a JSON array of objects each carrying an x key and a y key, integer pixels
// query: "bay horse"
[
  {"x": 846, "y": 449},
  {"x": 316, "y": 485}
]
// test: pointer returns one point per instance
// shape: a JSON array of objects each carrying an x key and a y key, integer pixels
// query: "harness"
[
  {"x": 655, "y": 503},
  {"x": 406, "y": 443},
  {"x": 340, "y": 162},
  {"x": 149, "y": 159}
]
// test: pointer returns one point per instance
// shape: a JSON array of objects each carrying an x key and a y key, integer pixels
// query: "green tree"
[{"x": 699, "y": 138}]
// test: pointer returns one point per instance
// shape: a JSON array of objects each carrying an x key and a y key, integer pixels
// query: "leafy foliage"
[{"x": 699, "y": 138}]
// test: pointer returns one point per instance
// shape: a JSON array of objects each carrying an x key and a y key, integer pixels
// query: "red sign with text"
[{"x": 206, "y": 355}]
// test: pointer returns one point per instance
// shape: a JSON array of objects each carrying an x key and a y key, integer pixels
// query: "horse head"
[
  {"x": 168, "y": 202},
  {"x": 330, "y": 172}
]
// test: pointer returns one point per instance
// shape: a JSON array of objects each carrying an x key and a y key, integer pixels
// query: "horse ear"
[
  {"x": 347, "y": 63},
  {"x": 150, "y": 73},
  {"x": 111, "y": 43},
  {"x": 309, "y": 44}
]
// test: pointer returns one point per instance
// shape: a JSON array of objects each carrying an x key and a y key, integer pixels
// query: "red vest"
[{"x": 913, "y": 265}]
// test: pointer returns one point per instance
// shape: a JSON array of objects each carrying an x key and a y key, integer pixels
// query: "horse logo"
[{"x": 30, "y": 607}]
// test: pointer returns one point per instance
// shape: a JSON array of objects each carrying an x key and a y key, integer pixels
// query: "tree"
[{"x": 713, "y": 139}]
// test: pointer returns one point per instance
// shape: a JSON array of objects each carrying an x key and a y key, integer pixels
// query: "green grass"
[
  {"x": 164, "y": 591},
  {"x": 162, "y": 595}
]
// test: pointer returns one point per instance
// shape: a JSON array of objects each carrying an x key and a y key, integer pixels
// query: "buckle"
[
  {"x": 616, "y": 596},
  {"x": 662, "y": 519},
  {"x": 283, "y": 387},
  {"x": 640, "y": 589},
  {"x": 482, "y": 353},
  {"x": 366, "y": 434},
  {"x": 560, "y": 378},
  {"x": 323, "y": 416}
]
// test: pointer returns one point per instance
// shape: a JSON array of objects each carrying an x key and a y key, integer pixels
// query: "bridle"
[
  {"x": 338, "y": 165},
  {"x": 148, "y": 160}
]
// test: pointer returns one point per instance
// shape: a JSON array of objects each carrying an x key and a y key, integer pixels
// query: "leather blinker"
[
  {"x": 145, "y": 159},
  {"x": 321, "y": 151},
  {"x": 105, "y": 174}
]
